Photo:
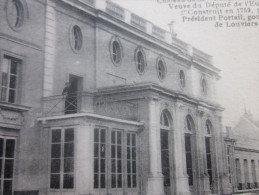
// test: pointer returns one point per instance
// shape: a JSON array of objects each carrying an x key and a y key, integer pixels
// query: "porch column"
[
  {"x": 182, "y": 186},
  {"x": 155, "y": 179}
]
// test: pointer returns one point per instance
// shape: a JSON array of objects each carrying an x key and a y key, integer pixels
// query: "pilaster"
[
  {"x": 182, "y": 186},
  {"x": 155, "y": 179}
]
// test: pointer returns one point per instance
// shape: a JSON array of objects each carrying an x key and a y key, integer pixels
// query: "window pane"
[
  {"x": 102, "y": 180},
  {"x": 119, "y": 179},
  {"x": 134, "y": 153},
  {"x": 118, "y": 151},
  {"x": 128, "y": 139},
  {"x": 103, "y": 136},
  {"x": 128, "y": 166},
  {"x": 1, "y": 147},
  {"x": 133, "y": 140},
  {"x": 103, "y": 149},
  {"x": 118, "y": 166},
  {"x": 113, "y": 166},
  {"x": 55, "y": 150},
  {"x": 96, "y": 150},
  {"x": 0, "y": 169},
  {"x": 69, "y": 150},
  {"x": 13, "y": 67},
  {"x": 113, "y": 181},
  {"x": 113, "y": 152},
  {"x": 68, "y": 165},
  {"x": 8, "y": 170},
  {"x": 118, "y": 137},
  {"x": 55, "y": 166},
  {"x": 69, "y": 135},
  {"x": 133, "y": 166},
  {"x": 102, "y": 165},
  {"x": 56, "y": 136},
  {"x": 8, "y": 184},
  {"x": 134, "y": 181},
  {"x": 96, "y": 166},
  {"x": 12, "y": 82},
  {"x": 96, "y": 135},
  {"x": 129, "y": 181},
  {"x": 68, "y": 182},
  {"x": 113, "y": 137},
  {"x": 10, "y": 145},
  {"x": 11, "y": 98},
  {"x": 128, "y": 152},
  {"x": 96, "y": 181}
]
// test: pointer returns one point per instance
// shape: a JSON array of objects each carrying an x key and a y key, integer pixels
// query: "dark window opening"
[
  {"x": 188, "y": 155},
  {"x": 165, "y": 157}
]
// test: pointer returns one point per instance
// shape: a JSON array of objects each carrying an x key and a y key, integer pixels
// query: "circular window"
[
  {"x": 140, "y": 61},
  {"x": 15, "y": 14},
  {"x": 76, "y": 38},
  {"x": 204, "y": 86},
  {"x": 161, "y": 69},
  {"x": 182, "y": 78}
]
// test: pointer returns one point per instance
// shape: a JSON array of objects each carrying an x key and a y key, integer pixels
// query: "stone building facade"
[
  {"x": 97, "y": 100},
  {"x": 242, "y": 153}
]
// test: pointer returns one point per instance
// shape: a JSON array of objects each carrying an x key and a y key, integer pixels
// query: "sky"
[{"x": 235, "y": 51}]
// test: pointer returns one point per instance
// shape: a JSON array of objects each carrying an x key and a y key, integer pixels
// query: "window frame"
[
  {"x": 4, "y": 158},
  {"x": 20, "y": 63},
  {"x": 23, "y": 14},
  {"x": 161, "y": 73},
  {"x": 142, "y": 63},
  {"x": 62, "y": 157},
  {"x": 182, "y": 81},
  {"x": 115, "y": 41},
  {"x": 76, "y": 44}
]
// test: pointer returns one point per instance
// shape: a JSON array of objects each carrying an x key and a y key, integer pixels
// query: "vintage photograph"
[{"x": 129, "y": 97}]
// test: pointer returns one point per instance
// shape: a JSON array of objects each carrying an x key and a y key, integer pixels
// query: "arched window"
[
  {"x": 164, "y": 121},
  {"x": 208, "y": 127},
  {"x": 188, "y": 148},
  {"x": 165, "y": 146}
]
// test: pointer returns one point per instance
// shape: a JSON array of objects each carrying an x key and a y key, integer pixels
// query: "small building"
[
  {"x": 138, "y": 113},
  {"x": 242, "y": 151}
]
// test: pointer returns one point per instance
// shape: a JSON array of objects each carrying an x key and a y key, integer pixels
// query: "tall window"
[
  {"x": 77, "y": 38},
  {"x": 62, "y": 159},
  {"x": 229, "y": 159},
  {"x": 9, "y": 79},
  {"x": 208, "y": 150},
  {"x": 246, "y": 173},
  {"x": 188, "y": 149},
  {"x": 204, "y": 86},
  {"x": 165, "y": 157},
  {"x": 182, "y": 79},
  {"x": 99, "y": 158},
  {"x": 238, "y": 174},
  {"x": 131, "y": 160},
  {"x": 7, "y": 149},
  {"x": 253, "y": 173},
  {"x": 116, "y": 159}
]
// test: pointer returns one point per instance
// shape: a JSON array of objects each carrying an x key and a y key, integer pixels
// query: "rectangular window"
[
  {"x": 208, "y": 158},
  {"x": 253, "y": 173},
  {"x": 188, "y": 154},
  {"x": 116, "y": 159},
  {"x": 9, "y": 79},
  {"x": 62, "y": 159},
  {"x": 131, "y": 160},
  {"x": 165, "y": 157},
  {"x": 238, "y": 174},
  {"x": 7, "y": 149},
  {"x": 229, "y": 157},
  {"x": 246, "y": 173},
  {"x": 99, "y": 158}
]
